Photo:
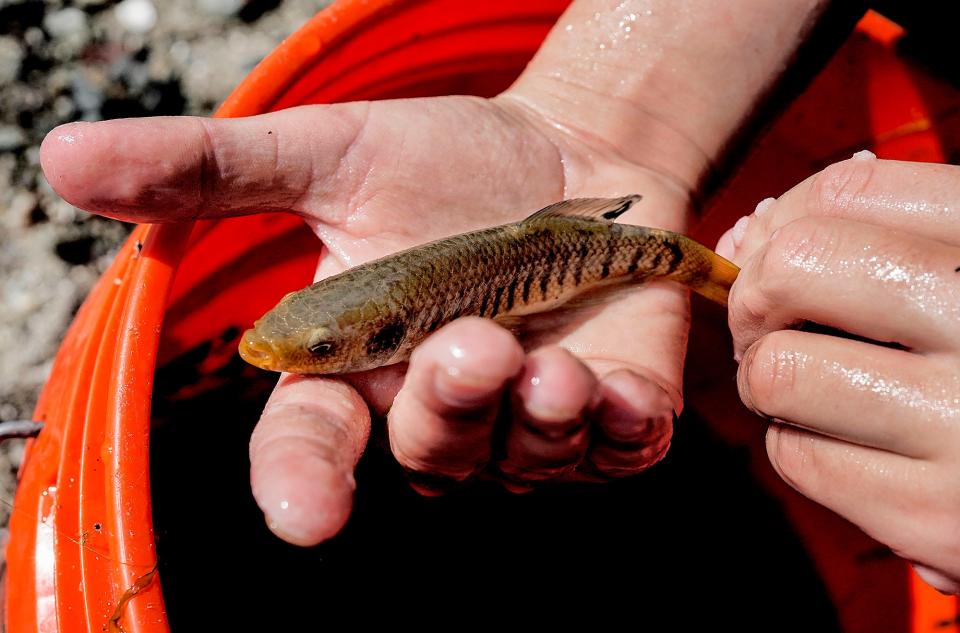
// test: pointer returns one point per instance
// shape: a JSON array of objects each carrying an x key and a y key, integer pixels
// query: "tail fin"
[{"x": 716, "y": 286}]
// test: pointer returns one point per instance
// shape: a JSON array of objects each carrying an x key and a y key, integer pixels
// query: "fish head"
[{"x": 295, "y": 339}]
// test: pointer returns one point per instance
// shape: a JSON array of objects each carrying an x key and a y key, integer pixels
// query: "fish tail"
[{"x": 715, "y": 285}]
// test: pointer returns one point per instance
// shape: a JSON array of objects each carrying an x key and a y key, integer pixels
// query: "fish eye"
[{"x": 320, "y": 348}]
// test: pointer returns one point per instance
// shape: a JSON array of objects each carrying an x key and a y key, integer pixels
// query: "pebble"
[
  {"x": 11, "y": 58},
  {"x": 87, "y": 95},
  {"x": 21, "y": 208},
  {"x": 66, "y": 22},
  {"x": 11, "y": 138},
  {"x": 222, "y": 8},
  {"x": 69, "y": 32},
  {"x": 136, "y": 16}
]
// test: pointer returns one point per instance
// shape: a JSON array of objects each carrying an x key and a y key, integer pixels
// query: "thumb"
[
  {"x": 168, "y": 169},
  {"x": 302, "y": 456}
]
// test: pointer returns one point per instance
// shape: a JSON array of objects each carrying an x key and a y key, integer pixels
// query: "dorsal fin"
[{"x": 608, "y": 209}]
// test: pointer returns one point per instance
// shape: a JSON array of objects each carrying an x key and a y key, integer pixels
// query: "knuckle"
[
  {"x": 770, "y": 374},
  {"x": 805, "y": 247},
  {"x": 834, "y": 189}
]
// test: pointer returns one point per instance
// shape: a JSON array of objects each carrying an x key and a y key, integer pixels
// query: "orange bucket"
[{"x": 149, "y": 368}]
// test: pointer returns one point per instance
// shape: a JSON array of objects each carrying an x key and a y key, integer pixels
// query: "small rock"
[
  {"x": 61, "y": 212},
  {"x": 11, "y": 57},
  {"x": 63, "y": 108},
  {"x": 69, "y": 30},
  {"x": 34, "y": 37},
  {"x": 65, "y": 22},
  {"x": 11, "y": 138},
  {"x": 19, "y": 213},
  {"x": 136, "y": 16},
  {"x": 222, "y": 8},
  {"x": 180, "y": 53},
  {"x": 87, "y": 92}
]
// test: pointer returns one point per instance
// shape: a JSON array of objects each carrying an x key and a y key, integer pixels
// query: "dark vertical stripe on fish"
[
  {"x": 486, "y": 300},
  {"x": 437, "y": 322},
  {"x": 549, "y": 258},
  {"x": 608, "y": 261},
  {"x": 512, "y": 293},
  {"x": 527, "y": 282},
  {"x": 676, "y": 256},
  {"x": 581, "y": 262},
  {"x": 635, "y": 260},
  {"x": 496, "y": 301}
]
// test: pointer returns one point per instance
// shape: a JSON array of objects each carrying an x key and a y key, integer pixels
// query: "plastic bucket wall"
[{"x": 82, "y": 533}]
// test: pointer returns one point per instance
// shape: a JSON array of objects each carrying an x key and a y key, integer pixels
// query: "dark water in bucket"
[{"x": 692, "y": 543}]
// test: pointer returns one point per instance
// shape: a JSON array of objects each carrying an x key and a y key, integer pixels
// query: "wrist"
[{"x": 662, "y": 85}]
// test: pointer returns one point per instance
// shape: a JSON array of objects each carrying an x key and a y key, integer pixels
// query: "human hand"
[
  {"x": 603, "y": 394},
  {"x": 621, "y": 98},
  {"x": 869, "y": 427}
]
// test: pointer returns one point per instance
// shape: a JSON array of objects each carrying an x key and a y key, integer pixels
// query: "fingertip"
[
  {"x": 443, "y": 417},
  {"x": 725, "y": 248},
  {"x": 304, "y": 498},
  {"x": 555, "y": 386},
  {"x": 123, "y": 166},
  {"x": 627, "y": 394},
  {"x": 470, "y": 360},
  {"x": 634, "y": 423},
  {"x": 62, "y": 158}
]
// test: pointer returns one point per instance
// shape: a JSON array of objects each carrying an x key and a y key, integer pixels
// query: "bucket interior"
[
  {"x": 698, "y": 529},
  {"x": 708, "y": 537}
]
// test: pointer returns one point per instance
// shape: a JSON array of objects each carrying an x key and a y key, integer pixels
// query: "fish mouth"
[{"x": 257, "y": 351}]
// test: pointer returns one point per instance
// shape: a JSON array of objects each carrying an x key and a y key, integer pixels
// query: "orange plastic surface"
[{"x": 81, "y": 531}]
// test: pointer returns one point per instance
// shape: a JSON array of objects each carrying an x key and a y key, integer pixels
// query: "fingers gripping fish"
[{"x": 377, "y": 313}]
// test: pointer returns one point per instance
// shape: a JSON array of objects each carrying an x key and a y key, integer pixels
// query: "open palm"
[{"x": 597, "y": 400}]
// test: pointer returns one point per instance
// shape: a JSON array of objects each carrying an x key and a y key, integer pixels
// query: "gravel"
[{"x": 63, "y": 60}]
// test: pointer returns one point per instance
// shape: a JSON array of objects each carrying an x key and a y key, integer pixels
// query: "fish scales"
[{"x": 376, "y": 313}]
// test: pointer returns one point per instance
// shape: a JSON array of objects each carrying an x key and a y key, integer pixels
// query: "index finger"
[{"x": 921, "y": 198}]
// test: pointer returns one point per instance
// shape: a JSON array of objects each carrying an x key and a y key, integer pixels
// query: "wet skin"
[
  {"x": 870, "y": 430},
  {"x": 623, "y": 97}
]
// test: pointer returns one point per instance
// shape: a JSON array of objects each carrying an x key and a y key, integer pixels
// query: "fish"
[{"x": 375, "y": 314}]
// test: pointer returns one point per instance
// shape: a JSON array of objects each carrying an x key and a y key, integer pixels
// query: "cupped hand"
[
  {"x": 373, "y": 178},
  {"x": 866, "y": 424}
]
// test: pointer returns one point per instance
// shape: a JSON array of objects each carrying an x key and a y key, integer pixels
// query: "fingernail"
[
  {"x": 763, "y": 206},
  {"x": 431, "y": 484},
  {"x": 627, "y": 430},
  {"x": 725, "y": 248},
  {"x": 864, "y": 154},
  {"x": 739, "y": 231},
  {"x": 939, "y": 581}
]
